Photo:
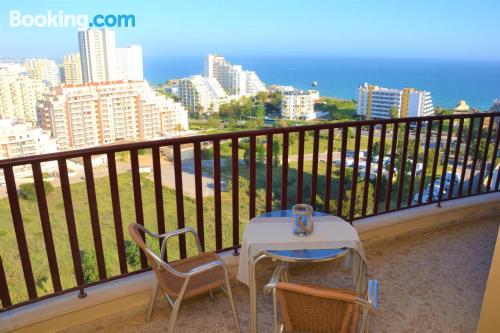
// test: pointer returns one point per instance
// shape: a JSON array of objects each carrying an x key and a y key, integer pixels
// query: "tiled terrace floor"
[{"x": 431, "y": 282}]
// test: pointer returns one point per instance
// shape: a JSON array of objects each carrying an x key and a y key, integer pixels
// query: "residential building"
[
  {"x": 201, "y": 94},
  {"x": 254, "y": 85},
  {"x": 299, "y": 104},
  {"x": 98, "y": 55},
  {"x": 232, "y": 78},
  {"x": 129, "y": 63},
  {"x": 72, "y": 68},
  {"x": 376, "y": 102},
  {"x": 461, "y": 107},
  {"x": 276, "y": 88},
  {"x": 44, "y": 70},
  {"x": 19, "y": 95},
  {"x": 496, "y": 106},
  {"x": 103, "y": 113},
  {"x": 20, "y": 139}
]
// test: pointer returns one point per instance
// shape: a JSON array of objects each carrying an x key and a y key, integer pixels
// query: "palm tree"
[{"x": 178, "y": 128}]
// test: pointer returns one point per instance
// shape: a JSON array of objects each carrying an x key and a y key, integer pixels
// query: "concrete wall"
[
  {"x": 489, "y": 320},
  {"x": 129, "y": 295}
]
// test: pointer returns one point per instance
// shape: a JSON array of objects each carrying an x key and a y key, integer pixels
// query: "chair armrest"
[
  {"x": 205, "y": 267},
  {"x": 275, "y": 278},
  {"x": 178, "y": 232}
]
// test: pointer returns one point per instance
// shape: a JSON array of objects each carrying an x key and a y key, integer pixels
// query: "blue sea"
[{"x": 476, "y": 82}]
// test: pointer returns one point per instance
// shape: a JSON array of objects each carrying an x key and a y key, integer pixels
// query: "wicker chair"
[
  {"x": 183, "y": 278},
  {"x": 314, "y": 309}
]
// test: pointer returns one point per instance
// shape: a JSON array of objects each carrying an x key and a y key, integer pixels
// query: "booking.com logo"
[{"x": 60, "y": 20}]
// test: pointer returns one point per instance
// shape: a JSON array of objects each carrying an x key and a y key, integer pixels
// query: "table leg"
[{"x": 253, "y": 292}]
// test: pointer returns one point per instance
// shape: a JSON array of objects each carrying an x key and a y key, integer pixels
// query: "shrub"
[
  {"x": 28, "y": 191},
  {"x": 132, "y": 254},
  {"x": 89, "y": 264}
]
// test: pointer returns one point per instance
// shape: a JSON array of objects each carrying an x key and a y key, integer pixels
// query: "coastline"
[{"x": 447, "y": 80}]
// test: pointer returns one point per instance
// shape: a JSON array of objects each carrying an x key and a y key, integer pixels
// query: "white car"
[{"x": 435, "y": 192}]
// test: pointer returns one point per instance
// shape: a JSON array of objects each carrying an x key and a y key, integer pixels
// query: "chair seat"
[
  {"x": 318, "y": 309},
  {"x": 198, "y": 284}
]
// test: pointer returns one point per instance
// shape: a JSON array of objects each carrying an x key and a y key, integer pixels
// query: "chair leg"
[
  {"x": 275, "y": 313},
  {"x": 173, "y": 316},
  {"x": 176, "y": 306},
  {"x": 154, "y": 291},
  {"x": 231, "y": 301},
  {"x": 211, "y": 295},
  {"x": 285, "y": 272}
]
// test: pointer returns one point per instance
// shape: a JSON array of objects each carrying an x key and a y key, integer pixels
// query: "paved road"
[{"x": 167, "y": 171}]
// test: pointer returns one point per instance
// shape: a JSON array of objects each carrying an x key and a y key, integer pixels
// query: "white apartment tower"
[
  {"x": 201, "y": 94},
  {"x": 129, "y": 63},
  {"x": 103, "y": 113},
  {"x": 299, "y": 104},
  {"x": 376, "y": 102},
  {"x": 98, "y": 55},
  {"x": 19, "y": 95},
  {"x": 44, "y": 70},
  {"x": 72, "y": 69},
  {"x": 232, "y": 78}
]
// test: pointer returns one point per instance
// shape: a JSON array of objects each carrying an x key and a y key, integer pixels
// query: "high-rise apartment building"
[
  {"x": 299, "y": 104},
  {"x": 129, "y": 63},
  {"x": 103, "y": 113},
  {"x": 201, "y": 94},
  {"x": 44, "y": 70},
  {"x": 19, "y": 95},
  {"x": 232, "y": 78},
  {"x": 98, "y": 55},
  {"x": 72, "y": 69},
  {"x": 376, "y": 102},
  {"x": 254, "y": 85}
]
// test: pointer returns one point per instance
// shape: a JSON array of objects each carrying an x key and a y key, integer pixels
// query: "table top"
[
  {"x": 287, "y": 213},
  {"x": 271, "y": 234},
  {"x": 303, "y": 255}
]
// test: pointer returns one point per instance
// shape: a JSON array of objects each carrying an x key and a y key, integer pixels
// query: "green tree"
[
  {"x": 376, "y": 148},
  {"x": 213, "y": 121},
  {"x": 394, "y": 112},
  {"x": 276, "y": 152},
  {"x": 243, "y": 184},
  {"x": 276, "y": 99},
  {"x": 259, "y": 122},
  {"x": 261, "y": 97},
  {"x": 261, "y": 153},
  {"x": 260, "y": 111}
]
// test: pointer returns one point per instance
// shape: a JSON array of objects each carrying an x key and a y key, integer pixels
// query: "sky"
[{"x": 444, "y": 29}]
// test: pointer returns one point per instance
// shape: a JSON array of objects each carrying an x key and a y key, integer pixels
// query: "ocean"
[{"x": 476, "y": 82}]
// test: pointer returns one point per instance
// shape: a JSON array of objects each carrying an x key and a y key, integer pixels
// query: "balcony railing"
[{"x": 350, "y": 169}]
